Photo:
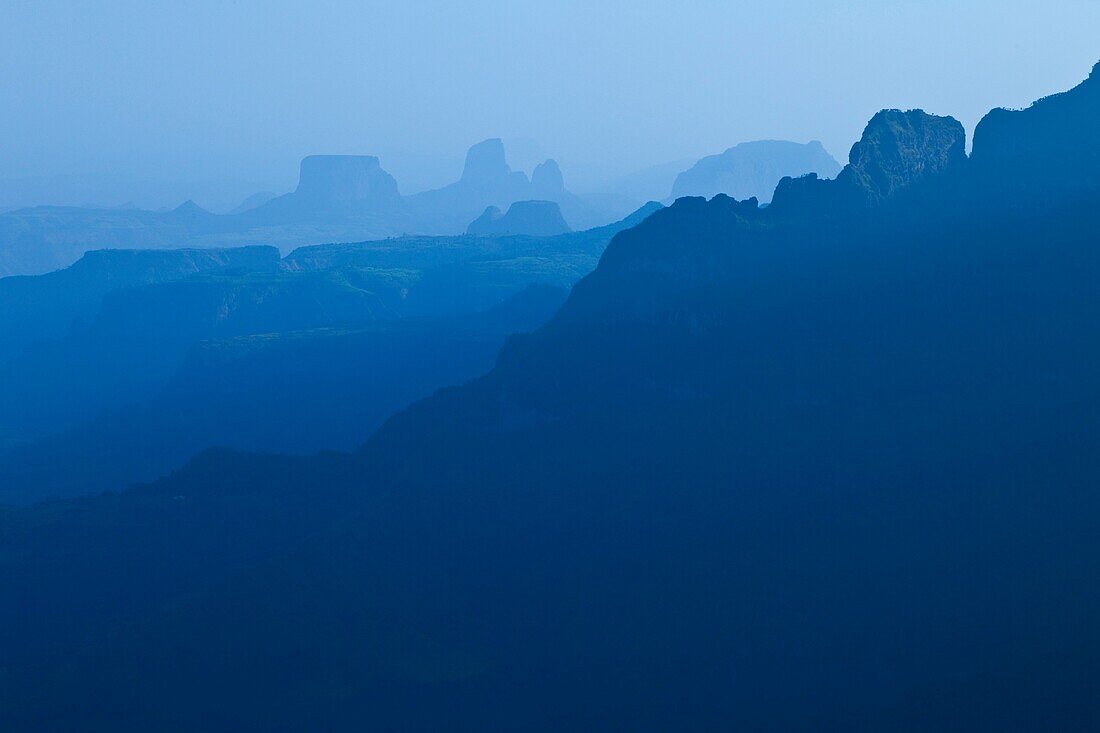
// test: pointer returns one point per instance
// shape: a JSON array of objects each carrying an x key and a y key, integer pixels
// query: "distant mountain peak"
[
  {"x": 534, "y": 218},
  {"x": 547, "y": 180},
  {"x": 485, "y": 161},
  {"x": 753, "y": 168},
  {"x": 189, "y": 208}
]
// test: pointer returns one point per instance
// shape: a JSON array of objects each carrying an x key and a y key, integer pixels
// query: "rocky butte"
[{"x": 534, "y": 218}]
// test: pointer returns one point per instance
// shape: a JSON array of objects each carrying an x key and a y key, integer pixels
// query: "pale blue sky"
[{"x": 241, "y": 90}]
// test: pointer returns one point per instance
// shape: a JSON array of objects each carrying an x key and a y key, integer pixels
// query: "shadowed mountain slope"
[
  {"x": 46, "y": 306},
  {"x": 243, "y": 343},
  {"x": 827, "y": 465},
  {"x": 290, "y": 392}
]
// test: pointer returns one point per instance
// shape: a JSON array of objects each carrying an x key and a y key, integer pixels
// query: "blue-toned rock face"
[
  {"x": 485, "y": 162},
  {"x": 900, "y": 148},
  {"x": 828, "y": 464},
  {"x": 338, "y": 179}
]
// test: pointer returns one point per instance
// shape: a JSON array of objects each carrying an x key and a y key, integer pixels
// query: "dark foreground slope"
[
  {"x": 828, "y": 465},
  {"x": 291, "y": 392}
]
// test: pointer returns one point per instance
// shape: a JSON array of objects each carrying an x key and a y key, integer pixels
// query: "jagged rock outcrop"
[
  {"x": 898, "y": 149},
  {"x": 534, "y": 218},
  {"x": 487, "y": 180},
  {"x": 724, "y": 504},
  {"x": 487, "y": 167},
  {"x": 754, "y": 169}
]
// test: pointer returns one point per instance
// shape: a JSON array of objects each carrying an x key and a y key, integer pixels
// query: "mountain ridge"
[{"x": 828, "y": 465}]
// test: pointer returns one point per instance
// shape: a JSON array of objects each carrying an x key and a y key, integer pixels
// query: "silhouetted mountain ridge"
[
  {"x": 824, "y": 465},
  {"x": 1013, "y": 149},
  {"x": 898, "y": 149},
  {"x": 896, "y": 152}
]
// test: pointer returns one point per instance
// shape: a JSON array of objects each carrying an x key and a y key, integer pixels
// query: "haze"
[{"x": 215, "y": 100}]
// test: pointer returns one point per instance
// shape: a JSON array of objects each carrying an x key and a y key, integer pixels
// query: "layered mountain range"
[
  {"x": 124, "y": 365},
  {"x": 824, "y": 465},
  {"x": 339, "y": 198}
]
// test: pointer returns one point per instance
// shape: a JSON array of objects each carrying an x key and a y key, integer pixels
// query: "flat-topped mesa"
[
  {"x": 533, "y": 218},
  {"x": 344, "y": 179},
  {"x": 899, "y": 148}
]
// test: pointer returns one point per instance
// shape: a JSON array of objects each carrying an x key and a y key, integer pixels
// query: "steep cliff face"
[
  {"x": 897, "y": 392},
  {"x": 898, "y": 149},
  {"x": 767, "y": 469},
  {"x": 697, "y": 269},
  {"x": 486, "y": 180},
  {"x": 487, "y": 167},
  {"x": 335, "y": 180}
]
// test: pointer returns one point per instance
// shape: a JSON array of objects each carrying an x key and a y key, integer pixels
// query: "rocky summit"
[{"x": 899, "y": 148}]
